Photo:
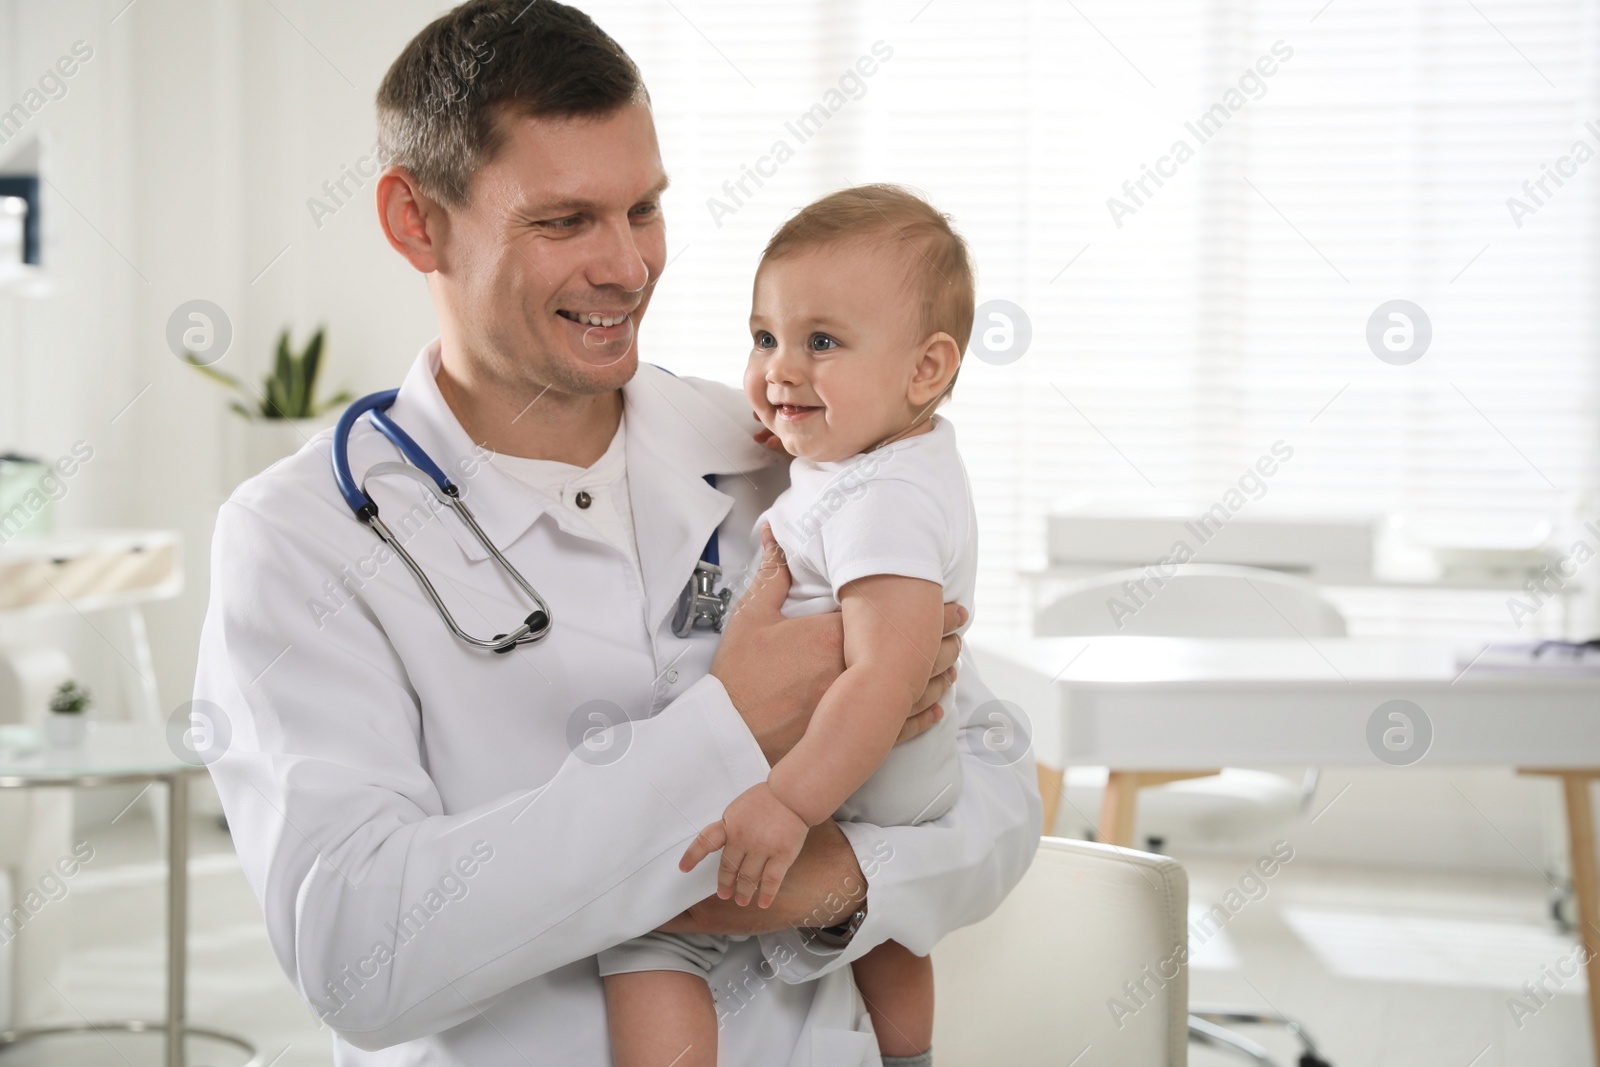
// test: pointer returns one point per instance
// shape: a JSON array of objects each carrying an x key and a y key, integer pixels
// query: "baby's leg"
[
  {"x": 897, "y": 985},
  {"x": 658, "y": 1018}
]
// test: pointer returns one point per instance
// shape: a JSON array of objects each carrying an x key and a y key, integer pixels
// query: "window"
[{"x": 1188, "y": 308}]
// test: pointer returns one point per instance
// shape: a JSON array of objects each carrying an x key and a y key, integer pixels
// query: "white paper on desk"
[{"x": 1551, "y": 658}]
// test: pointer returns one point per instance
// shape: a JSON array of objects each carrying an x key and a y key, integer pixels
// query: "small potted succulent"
[{"x": 68, "y": 725}]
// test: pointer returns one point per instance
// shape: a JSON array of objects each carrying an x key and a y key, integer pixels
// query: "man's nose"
[{"x": 618, "y": 261}]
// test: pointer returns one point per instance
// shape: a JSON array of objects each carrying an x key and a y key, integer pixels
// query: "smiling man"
[{"x": 375, "y": 758}]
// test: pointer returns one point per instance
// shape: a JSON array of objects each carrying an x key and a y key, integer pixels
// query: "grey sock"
[{"x": 921, "y": 1059}]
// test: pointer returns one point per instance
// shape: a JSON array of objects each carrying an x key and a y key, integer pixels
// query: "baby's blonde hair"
[{"x": 939, "y": 272}]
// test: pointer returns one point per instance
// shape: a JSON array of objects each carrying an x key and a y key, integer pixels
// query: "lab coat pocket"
[{"x": 842, "y": 1048}]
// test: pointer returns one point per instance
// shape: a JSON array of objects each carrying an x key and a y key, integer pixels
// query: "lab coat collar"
[{"x": 676, "y": 434}]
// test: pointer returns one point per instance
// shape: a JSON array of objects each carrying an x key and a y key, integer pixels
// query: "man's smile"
[
  {"x": 594, "y": 318},
  {"x": 601, "y": 328}
]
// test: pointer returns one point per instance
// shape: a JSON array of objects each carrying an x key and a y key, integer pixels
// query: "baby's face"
[{"x": 834, "y": 351}]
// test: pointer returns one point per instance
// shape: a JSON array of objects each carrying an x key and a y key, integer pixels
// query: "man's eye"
[
  {"x": 821, "y": 342},
  {"x": 571, "y": 222},
  {"x": 646, "y": 211}
]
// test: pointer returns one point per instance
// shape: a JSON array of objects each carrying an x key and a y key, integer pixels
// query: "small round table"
[{"x": 130, "y": 754}]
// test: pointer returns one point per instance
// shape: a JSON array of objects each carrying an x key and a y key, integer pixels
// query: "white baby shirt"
[{"x": 903, "y": 509}]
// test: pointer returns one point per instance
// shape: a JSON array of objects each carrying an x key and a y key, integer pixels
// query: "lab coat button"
[
  {"x": 672, "y": 675},
  {"x": 583, "y": 499}
]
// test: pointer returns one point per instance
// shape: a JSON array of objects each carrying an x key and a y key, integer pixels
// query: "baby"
[{"x": 863, "y": 305}]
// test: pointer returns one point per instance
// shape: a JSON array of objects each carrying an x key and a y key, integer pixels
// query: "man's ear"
[
  {"x": 936, "y": 367},
  {"x": 414, "y": 223}
]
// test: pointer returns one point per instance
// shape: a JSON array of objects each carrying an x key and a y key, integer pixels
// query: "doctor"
[{"x": 442, "y": 838}]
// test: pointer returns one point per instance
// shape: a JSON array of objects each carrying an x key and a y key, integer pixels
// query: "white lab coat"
[{"x": 436, "y": 866}]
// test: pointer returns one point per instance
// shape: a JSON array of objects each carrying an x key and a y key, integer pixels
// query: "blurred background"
[{"x": 1192, "y": 222}]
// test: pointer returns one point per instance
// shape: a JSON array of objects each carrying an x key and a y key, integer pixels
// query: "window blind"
[{"x": 1188, "y": 308}]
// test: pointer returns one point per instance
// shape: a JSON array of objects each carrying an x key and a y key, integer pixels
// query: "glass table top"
[{"x": 111, "y": 749}]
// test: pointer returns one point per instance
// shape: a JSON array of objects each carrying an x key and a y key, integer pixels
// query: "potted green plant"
[
  {"x": 68, "y": 725},
  {"x": 284, "y": 413}
]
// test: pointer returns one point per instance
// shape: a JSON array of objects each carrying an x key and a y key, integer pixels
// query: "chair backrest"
[
  {"x": 1197, "y": 600},
  {"x": 1082, "y": 954}
]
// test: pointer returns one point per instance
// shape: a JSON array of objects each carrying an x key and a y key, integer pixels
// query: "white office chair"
[
  {"x": 1030, "y": 985},
  {"x": 1198, "y": 600}
]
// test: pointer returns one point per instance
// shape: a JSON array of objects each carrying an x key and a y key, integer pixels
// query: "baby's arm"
[{"x": 892, "y": 628}]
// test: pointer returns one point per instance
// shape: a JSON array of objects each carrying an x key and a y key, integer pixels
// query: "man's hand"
[
  {"x": 823, "y": 887},
  {"x": 760, "y": 839},
  {"x": 775, "y": 668}
]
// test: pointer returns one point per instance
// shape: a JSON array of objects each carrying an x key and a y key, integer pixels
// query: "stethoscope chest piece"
[{"x": 700, "y": 605}]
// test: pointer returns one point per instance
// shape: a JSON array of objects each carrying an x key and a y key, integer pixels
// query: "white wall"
[
  {"x": 240, "y": 120},
  {"x": 66, "y": 362}
]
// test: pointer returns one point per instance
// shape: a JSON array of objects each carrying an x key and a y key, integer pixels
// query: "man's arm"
[
  {"x": 344, "y": 835},
  {"x": 823, "y": 887}
]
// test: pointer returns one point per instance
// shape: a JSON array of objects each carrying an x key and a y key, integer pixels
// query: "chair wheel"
[{"x": 1308, "y": 1060}]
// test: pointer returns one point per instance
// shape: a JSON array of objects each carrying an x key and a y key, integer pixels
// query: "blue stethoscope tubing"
[{"x": 376, "y": 406}]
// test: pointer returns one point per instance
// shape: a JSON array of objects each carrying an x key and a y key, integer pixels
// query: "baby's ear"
[{"x": 936, "y": 368}]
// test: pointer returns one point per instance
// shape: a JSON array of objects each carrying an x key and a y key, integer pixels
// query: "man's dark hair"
[{"x": 440, "y": 105}]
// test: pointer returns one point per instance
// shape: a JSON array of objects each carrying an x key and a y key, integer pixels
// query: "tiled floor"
[
  {"x": 115, "y": 969},
  {"x": 1385, "y": 969},
  {"x": 1394, "y": 970}
]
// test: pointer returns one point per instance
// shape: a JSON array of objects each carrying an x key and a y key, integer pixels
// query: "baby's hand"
[{"x": 759, "y": 837}]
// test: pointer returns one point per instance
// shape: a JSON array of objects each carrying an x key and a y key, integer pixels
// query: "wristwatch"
[{"x": 840, "y": 934}]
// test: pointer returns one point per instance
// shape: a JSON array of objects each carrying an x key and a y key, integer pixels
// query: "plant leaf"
[
  {"x": 299, "y": 393},
  {"x": 278, "y": 385},
  {"x": 313, "y": 363},
  {"x": 343, "y": 396},
  {"x": 241, "y": 409},
  {"x": 214, "y": 374},
  {"x": 272, "y": 404}
]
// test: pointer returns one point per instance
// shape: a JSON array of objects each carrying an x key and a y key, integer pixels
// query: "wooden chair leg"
[
  {"x": 1050, "y": 786},
  {"x": 1120, "y": 802},
  {"x": 1585, "y": 874}
]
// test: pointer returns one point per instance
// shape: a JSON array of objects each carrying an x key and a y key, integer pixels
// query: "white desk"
[{"x": 1156, "y": 708}]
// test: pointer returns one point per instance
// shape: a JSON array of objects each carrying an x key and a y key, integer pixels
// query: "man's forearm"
[{"x": 824, "y": 887}]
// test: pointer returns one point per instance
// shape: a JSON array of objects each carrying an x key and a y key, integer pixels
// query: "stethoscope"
[{"x": 700, "y": 605}]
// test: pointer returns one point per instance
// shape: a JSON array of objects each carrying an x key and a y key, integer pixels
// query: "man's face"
[{"x": 550, "y": 265}]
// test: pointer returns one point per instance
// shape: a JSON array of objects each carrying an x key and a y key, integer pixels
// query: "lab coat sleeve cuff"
[
  {"x": 736, "y": 744},
  {"x": 797, "y": 957}
]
